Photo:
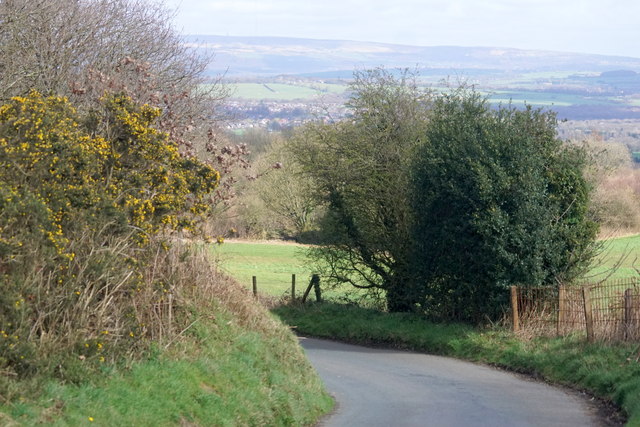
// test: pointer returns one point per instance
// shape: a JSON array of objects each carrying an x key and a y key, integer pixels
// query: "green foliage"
[
  {"x": 499, "y": 200},
  {"x": 361, "y": 170},
  {"x": 443, "y": 204},
  {"x": 609, "y": 372},
  {"x": 82, "y": 198}
]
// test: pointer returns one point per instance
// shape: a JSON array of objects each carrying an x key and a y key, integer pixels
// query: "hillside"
[
  {"x": 281, "y": 70},
  {"x": 263, "y": 56}
]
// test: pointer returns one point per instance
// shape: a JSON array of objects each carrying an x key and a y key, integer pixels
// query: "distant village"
[{"x": 279, "y": 115}]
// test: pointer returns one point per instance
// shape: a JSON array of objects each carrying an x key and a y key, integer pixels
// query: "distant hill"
[
  {"x": 577, "y": 86},
  {"x": 263, "y": 56}
]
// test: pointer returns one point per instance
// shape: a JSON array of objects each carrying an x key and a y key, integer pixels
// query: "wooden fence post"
[
  {"x": 314, "y": 278},
  {"x": 588, "y": 314},
  {"x": 316, "y": 288},
  {"x": 255, "y": 286},
  {"x": 562, "y": 307},
  {"x": 514, "y": 309},
  {"x": 293, "y": 287},
  {"x": 631, "y": 315}
]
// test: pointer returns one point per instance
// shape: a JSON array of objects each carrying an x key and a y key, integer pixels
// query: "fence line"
[{"x": 608, "y": 311}]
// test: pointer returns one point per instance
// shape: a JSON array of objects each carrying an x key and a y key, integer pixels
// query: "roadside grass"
[
  {"x": 611, "y": 372},
  {"x": 221, "y": 375},
  {"x": 231, "y": 362}
]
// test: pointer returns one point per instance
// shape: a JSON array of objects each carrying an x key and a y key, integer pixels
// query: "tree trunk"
[{"x": 398, "y": 298}]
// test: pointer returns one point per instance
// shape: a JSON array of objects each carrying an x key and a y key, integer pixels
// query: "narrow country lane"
[{"x": 375, "y": 387}]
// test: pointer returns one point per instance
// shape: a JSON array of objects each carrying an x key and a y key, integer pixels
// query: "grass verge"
[
  {"x": 224, "y": 375},
  {"x": 609, "y": 372},
  {"x": 227, "y": 362}
]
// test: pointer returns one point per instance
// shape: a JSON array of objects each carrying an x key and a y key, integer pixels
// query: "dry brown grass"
[
  {"x": 113, "y": 306},
  {"x": 616, "y": 202},
  {"x": 614, "y": 307}
]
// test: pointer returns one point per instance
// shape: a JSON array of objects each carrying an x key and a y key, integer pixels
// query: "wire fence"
[{"x": 607, "y": 311}]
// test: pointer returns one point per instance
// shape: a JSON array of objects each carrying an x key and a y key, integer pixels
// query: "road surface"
[{"x": 375, "y": 387}]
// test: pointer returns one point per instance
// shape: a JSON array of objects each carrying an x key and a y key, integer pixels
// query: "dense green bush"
[
  {"x": 499, "y": 201},
  {"x": 441, "y": 202}
]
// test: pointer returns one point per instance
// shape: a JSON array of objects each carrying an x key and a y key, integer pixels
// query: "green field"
[
  {"x": 274, "y": 263},
  {"x": 620, "y": 258},
  {"x": 271, "y": 263},
  {"x": 547, "y": 98}
]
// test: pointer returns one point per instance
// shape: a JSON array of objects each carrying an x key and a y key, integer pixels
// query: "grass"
[
  {"x": 223, "y": 360},
  {"x": 272, "y": 264},
  {"x": 231, "y": 377},
  {"x": 609, "y": 372},
  {"x": 620, "y": 254}
]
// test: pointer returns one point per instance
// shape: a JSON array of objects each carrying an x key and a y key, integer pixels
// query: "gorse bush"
[{"x": 87, "y": 201}]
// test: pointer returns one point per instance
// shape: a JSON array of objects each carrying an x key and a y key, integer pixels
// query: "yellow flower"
[{"x": 91, "y": 419}]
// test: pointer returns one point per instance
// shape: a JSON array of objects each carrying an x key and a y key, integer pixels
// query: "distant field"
[
  {"x": 274, "y": 263},
  {"x": 622, "y": 253},
  {"x": 281, "y": 91},
  {"x": 547, "y": 98}
]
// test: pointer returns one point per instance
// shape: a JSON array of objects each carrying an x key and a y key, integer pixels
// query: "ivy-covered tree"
[{"x": 499, "y": 201}]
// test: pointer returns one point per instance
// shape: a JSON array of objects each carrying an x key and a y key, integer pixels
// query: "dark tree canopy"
[{"x": 499, "y": 200}]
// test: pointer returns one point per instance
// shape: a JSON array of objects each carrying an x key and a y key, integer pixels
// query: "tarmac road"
[{"x": 375, "y": 387}]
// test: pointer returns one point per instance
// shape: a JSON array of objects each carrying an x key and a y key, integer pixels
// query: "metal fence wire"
[{"x": 607, "y": 311}]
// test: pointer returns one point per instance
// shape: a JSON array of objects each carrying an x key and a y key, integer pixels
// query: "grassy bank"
[
  {"x": 221, "y": 375},
  {"x": 229, "y": 363},
  {"x": 609, "y": 372}
]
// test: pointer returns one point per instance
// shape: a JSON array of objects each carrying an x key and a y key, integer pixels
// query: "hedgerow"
[{"x": 89, "y": 202}]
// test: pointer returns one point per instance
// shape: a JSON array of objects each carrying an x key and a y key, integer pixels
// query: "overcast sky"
[{"x": 590, "y": 26}]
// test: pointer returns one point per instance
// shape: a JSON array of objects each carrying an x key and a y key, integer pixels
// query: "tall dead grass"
[
  {"x": 616, "y": 202},
  {"x": 112, "y": 302}
]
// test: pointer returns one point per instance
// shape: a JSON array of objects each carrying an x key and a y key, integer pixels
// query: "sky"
[{"x": 610, "y": 27}]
